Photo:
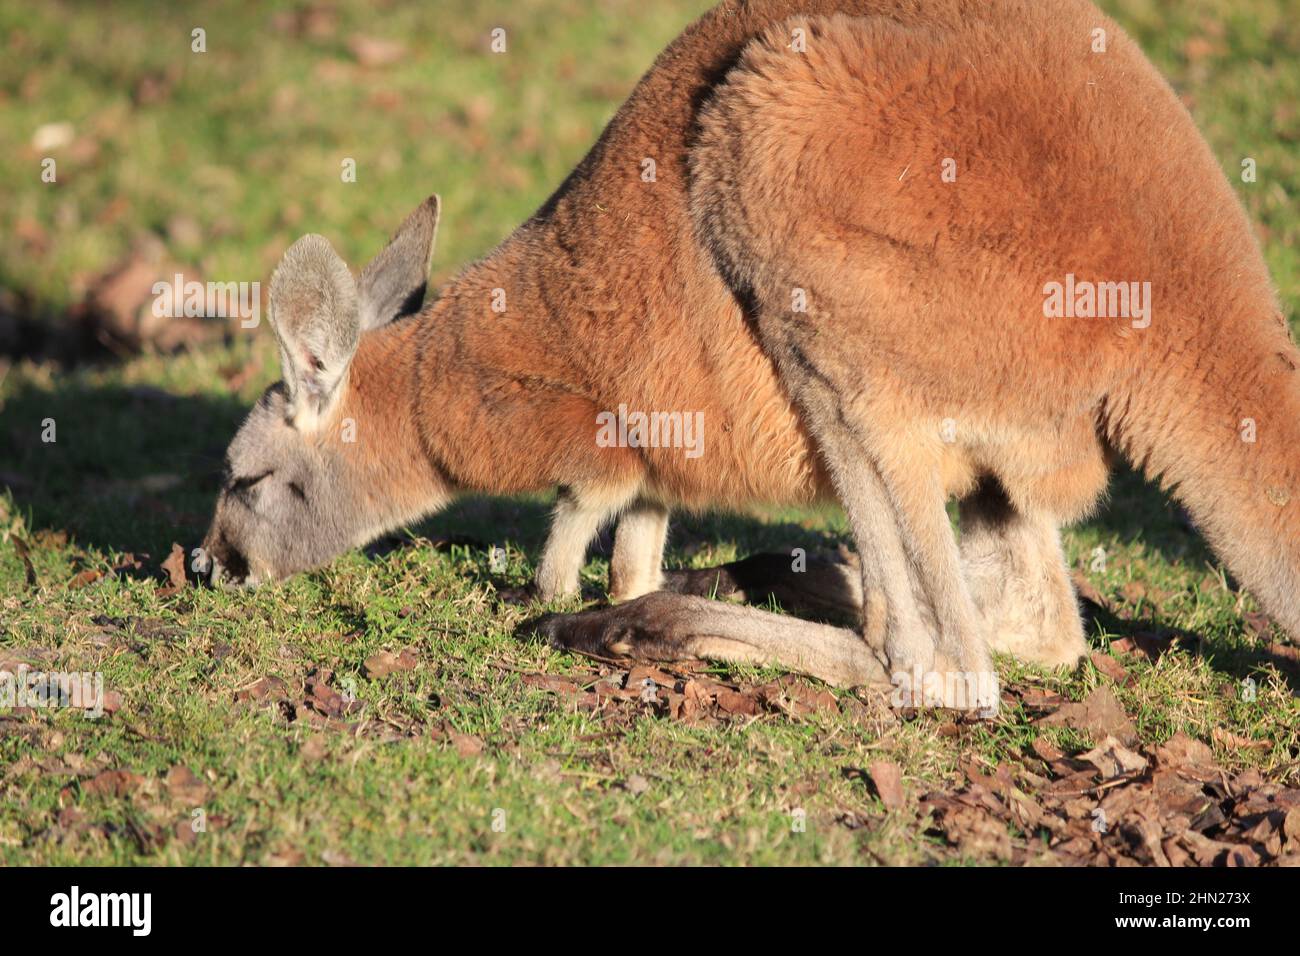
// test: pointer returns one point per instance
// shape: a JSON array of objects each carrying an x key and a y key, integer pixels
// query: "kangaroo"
[{"x": 895, "y": 252}]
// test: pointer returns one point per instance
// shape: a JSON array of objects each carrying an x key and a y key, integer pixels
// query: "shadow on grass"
[
  {"x": 129, "y": 469},
  {"x": 1136, "y": 511},
  {"x": 1232, "y": 657},
  {"x": 484, "y": 522}
]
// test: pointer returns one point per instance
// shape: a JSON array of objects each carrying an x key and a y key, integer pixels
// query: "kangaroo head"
[{"x": 298, "y": 488}]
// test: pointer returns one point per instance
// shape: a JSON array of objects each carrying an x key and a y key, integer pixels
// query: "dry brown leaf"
[
  {"x": 796, "y": 697},
  {"x": 1110, "y": 667},
  {"x": 324, "y": 699},
  {"x": 174, "y": 567},
  {"x": 640, "y": 673},
  {"x": 1144, "y": 643},
  {"x": 184, "y": 832},
  {"x": 1113, "y": 759},
  {"x": 887, "y": 780},
  {"x": 1291, "y": 829},
  {"x": 23, "y": 550},
  {"x": 1231, "y": 741},
  {"x": 738, "y": 702},
  {"x": 565, "y": 687},
  {"x": 1046, "y": 750},
  {"x": 467, "y": 745},
  {"x": 187, "y": 788},
  {"x": 84, "y": 578},
  {"x": 1099, "y": 714},
  {"x": 978, "y": 834},
  {"x": 1257, "y": 623},
  {"x": 384, "y": 663},
  {"x": 1041, "y": 701},
  {"x": 265, "y": 690},
  {"x": 1188, "y": 757},
  {"x": 113, "y": 783},
  {"x": 697, "y": 698}
]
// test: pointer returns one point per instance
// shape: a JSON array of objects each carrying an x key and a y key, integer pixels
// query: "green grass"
[{"x": 245, "y": 141}]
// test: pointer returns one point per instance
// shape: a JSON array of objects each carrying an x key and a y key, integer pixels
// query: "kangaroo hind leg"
[
  {"x": 1018, "y": 577},
  {"x": 676, "y": 627}
]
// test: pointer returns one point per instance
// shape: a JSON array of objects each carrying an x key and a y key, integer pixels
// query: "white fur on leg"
[
  {"x": 578, "y": 516},
  {"x": 636, "y": 567},
  {"x": 1017, "y": 575}
]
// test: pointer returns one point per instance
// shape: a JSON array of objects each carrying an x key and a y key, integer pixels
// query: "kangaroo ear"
[
  {"x": 393, "y": 284},
  {"x": 316, "y": 318}
]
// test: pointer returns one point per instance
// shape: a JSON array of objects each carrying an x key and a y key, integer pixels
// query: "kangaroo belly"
[{"x": 748, "y": 445}]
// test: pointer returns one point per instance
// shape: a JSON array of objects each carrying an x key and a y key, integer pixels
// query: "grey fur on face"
[
  {"x": 288, "y": 501},
  {"x": 283, "y": 503}
]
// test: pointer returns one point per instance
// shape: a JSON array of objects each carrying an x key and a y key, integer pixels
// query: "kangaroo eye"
[
  {"x": 240, "y": 485},
  {"x": 297, "y": 490}
]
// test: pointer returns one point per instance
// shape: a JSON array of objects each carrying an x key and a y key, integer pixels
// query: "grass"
[{"x": 241, "y": 147}]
